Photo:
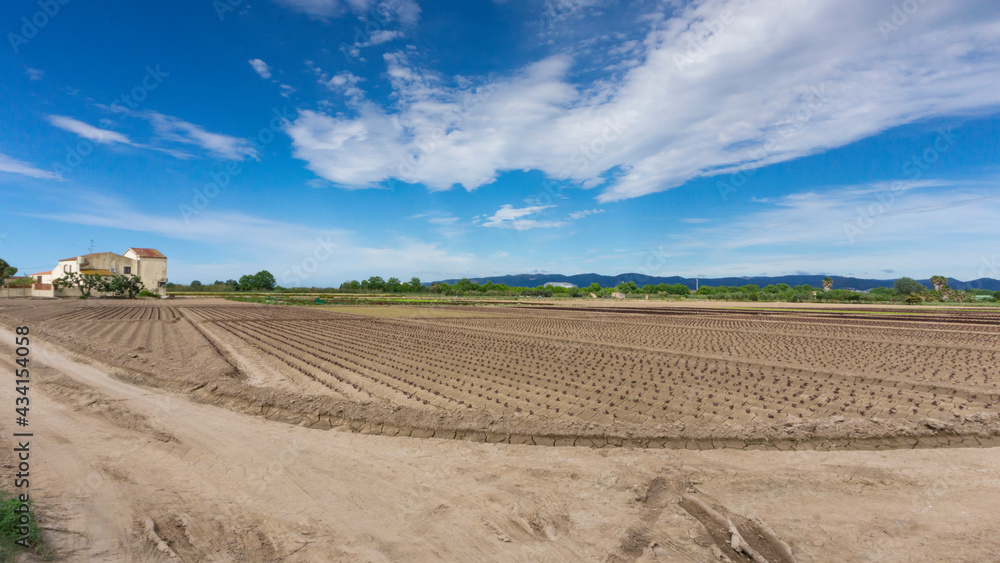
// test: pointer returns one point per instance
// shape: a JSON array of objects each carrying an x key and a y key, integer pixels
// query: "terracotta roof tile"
[{"x": 147, "y": 252}]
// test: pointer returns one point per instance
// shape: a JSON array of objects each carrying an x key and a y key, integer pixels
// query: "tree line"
[
  {"x": 904, "y": 290},
  {"x": 261, "y": 281}
]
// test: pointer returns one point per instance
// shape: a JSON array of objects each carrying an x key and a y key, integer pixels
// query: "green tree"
[
  {"x": 414, "y": 286},
  {"x": 679, "y": 289},
  {"x": 938, "y": 282},
  {"x": 264, "y": 280},
  {"x": 827, "y": 283},
  {"x": 246, "y": 283},
  {"x": 393, "y": 285},
  {"x": 594, "y": 288},
  {"x": 464, "y": 284},
  {"x": 6, "y": 271},
  {"x": 376, "y": 283},
  {"x": 86, "y": 283},
  {"x": 196, "y": 284},
  {"x": 120, "y": 284},
  {"x": 628, "y": 287},
  {"x": 908, "y": 286}
]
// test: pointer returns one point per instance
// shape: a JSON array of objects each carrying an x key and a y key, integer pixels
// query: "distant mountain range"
[{"x": 839, "y": 282}]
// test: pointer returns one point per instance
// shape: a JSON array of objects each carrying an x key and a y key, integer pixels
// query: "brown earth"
[
  {"x": 140, "y": 472},
  {"x": 656, "y": 378}
]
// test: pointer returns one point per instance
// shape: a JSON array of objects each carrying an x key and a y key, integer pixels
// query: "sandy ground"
[{"x": 130, "y": 473}]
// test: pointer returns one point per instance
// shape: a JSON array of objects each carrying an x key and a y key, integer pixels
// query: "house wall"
[
  {"x": 60, "y": 270},
  {"x": 44, "y": 290},
  {"x": 64, "y": 292},
  {"x": 152, "y": 271},
  {"x": 15, "y": 292},
  {"x": 107, "y": 261}
]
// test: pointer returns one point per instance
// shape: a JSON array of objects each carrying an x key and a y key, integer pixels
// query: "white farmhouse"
[{"x": 149, "y": 264}]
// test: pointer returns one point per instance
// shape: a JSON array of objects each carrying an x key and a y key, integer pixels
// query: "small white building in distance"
[{"x": 149, "y": 264}]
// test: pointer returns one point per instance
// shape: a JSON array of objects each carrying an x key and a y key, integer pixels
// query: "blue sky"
[{"x": 326, "y": 140}]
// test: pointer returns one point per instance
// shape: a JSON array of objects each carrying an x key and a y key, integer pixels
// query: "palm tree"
[
  {"x": 827, "y": 283},
  {"x": 938, "y": 282}
]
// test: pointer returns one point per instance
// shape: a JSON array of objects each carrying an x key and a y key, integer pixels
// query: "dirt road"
[{"x": 122, "y": 472}]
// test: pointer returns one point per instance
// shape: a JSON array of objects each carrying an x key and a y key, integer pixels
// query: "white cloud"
[
  {"x": 776, "y": 80},
  {"x": 35, "y": 74},
  {"x": 88, "y": 131},
  {"x": 345, "y": 82},
  {"x": 261, "y": 68},
  {"x": 509, "y": 217},
  {"x": 557, "y": 12},
  {"x": 180, "y": 131},
  {"x": 437, "y": 127},
  {"x": 365, "y": 40},
  {"x": 694, "y": 220},
  {"x": 381, "y": 36},
  {"x": 11, "y": 165},
  {"x": 581, "y": 214},
  {"x": 443, "y": 223}
]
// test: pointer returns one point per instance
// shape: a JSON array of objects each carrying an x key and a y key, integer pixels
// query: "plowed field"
[{"x": 665, "y": 376}]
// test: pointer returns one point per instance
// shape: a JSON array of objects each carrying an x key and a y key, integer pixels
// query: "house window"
[
  {"x": 161, "y": 284},
  {"x": 39, "y": 279},
  {"x": 127, "y": 269},
  {"x": 67, "y": 268}
]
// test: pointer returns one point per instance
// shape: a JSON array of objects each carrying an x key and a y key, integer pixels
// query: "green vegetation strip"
[{"x": 18, "y": 529}]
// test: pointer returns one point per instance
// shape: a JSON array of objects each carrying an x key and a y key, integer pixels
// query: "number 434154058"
[{"x": 21, "y": 371}]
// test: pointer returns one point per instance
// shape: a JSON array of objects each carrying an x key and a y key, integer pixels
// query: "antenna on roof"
[{"x": 91, "y": 249}]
